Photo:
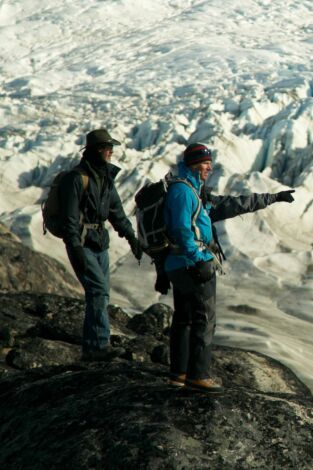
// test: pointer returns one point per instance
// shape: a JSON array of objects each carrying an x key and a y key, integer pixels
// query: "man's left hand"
[
  {"x": 285, "y": 196},
  {"x": 202, "y": 271}
]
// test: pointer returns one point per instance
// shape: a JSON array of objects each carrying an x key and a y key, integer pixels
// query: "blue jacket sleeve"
[{"x": 181, "y": 204}]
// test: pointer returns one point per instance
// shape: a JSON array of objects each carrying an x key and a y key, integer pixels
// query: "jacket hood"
[{"x": 193, "y": 177}]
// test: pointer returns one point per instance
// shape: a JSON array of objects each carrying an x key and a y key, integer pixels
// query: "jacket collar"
[
  {"x": 113, "y": 170},
  {"x": 108, "y": 169}
]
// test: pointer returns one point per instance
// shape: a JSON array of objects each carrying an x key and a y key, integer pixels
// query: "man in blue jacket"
[{"x": 191, "y": 264}]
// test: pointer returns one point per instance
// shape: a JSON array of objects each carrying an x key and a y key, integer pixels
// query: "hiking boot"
[
  {"x": 205, "y": 385},
  {"x": 106, "y": 354},
  {"x": 178, "y": 380}
]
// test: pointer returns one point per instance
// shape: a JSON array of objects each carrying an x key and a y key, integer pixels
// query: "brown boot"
[
  {"x": 178, "y": 380},
  {"x": 204, "y": 385}
]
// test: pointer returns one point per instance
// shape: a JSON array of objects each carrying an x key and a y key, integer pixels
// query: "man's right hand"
[
  {"x": 78, "y": 259},
  {"x": 136, "y": 248},
  {"x": 162, "y": 283}
]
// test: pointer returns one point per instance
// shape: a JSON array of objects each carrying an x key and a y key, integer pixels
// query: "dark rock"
[
  {"x": 64, "y": 322},
  {"x": 7, "y": 337},
  {"x": 123, "y": 415},
  {"x": 59, "y": 412},
  {"x": 22, "y": 269},
  {"x": 38, "y": 352},
  {"x": 60, "y": 319},
  {"x": 140, "y": 348},
  {"x": 254, "y": 370},
  {"x": 49, "y": 316},
  {"x": 118, "y": 316},
  {"x": 154, "y": 321},
  {"x": 16, "y": 316},
  {"x": 161, "y": 354},
  {"x": 245, "y": 309}
]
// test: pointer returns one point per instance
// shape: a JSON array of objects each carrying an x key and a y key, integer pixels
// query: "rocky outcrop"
[
  {"x": 59, "y": 412},
  {"x": 22, "y": 269}
]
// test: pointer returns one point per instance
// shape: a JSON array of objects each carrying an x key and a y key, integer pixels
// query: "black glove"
[
  {"x": 135, "y": 246},
  {"x": 162, "y": 283},
  {"x": 202, "y": 271},
  {"x": 285, "y": 196},
  {"x": 78, "y": 259}
]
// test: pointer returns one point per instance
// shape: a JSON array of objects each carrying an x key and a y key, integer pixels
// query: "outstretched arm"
[{"x": 226, "y": 207}]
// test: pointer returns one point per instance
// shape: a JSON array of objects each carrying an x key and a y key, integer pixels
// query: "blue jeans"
[{"x": 96, "y": 284}]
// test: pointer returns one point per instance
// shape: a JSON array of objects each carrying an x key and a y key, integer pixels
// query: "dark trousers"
[{"x": 193, "y": 325}]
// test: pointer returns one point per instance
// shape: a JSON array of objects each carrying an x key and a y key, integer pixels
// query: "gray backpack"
[
  {"x": 50, "y": 207},
  {"x": 151, "y": 226}
]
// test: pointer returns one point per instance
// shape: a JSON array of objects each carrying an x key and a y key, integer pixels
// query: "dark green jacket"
[{"x": 98, "y": 203}]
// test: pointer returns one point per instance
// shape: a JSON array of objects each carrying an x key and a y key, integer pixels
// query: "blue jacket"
[{"x": 180, "y": 206}]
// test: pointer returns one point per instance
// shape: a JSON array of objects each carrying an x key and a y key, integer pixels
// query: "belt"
[
  {"x": 93, "y": 226},
  {"x": 87, "y": 227},
  {"x": 176, "y": 250}
]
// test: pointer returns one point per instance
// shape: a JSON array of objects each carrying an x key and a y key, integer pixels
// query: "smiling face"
[{"x": 203, "y": 168}]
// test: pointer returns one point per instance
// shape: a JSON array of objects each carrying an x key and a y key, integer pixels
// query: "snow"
[{"x": 234, "y": 74}]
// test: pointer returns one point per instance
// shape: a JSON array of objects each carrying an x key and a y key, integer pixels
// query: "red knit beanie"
[{"x": 196, "y": 153}]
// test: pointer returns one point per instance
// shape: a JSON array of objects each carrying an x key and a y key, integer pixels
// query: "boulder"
[
  {"x": 23, "y": 269},
  {"x": 155, "y": 320},
  {"x": 38, "y": 352}
]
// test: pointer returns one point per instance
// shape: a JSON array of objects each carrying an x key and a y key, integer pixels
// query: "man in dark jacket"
[
  {"x": 89, "y": 198},
  {"x": 191, "y": 264}
]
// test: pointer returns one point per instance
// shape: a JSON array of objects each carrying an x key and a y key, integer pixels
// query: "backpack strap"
[
  {"x": 85, "y": 182},
  {"x": 85, "y": 179}
]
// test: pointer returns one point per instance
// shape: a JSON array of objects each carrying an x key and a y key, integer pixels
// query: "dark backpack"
[
  {"x": 151, "y": 226},
  {"x": 50, "y": 207}
]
